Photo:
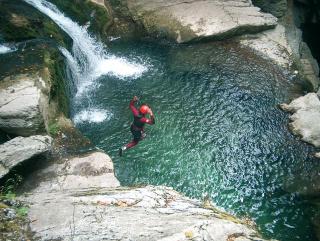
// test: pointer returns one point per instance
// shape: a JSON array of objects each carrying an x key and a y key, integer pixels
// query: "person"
[{"x": 137, "y": 126}]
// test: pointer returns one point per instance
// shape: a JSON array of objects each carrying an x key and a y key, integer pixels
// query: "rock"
[
  {"x": 78, "y": 173},
  {"x": 21, "y": 105},
  {"x": 271, "y": 45},
  {"x": 149, "y": 213},
  {"x": 80, "y": 199},
  {"x": 275, "y": 7},
  {"x": 20, "y": 149},
  {"x": 214, "y": 19},
  {"x": 309, "y": 66},
  {"x": 305, "y": 121}
]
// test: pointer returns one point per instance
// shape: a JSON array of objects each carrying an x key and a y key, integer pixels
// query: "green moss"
[
  {"x": 83, "y": 12},
  {"x": 17, "y": 226},
  {"x": 20, "y": 21},
  {"x": 54, "y": 129},
  {"x": 55, "y": 63},
  {"x": 22, "y": 211}
]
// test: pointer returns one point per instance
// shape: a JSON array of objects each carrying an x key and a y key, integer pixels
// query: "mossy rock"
[
  {"x": 20, "y": 21},
  {"x": 84, "y": 12},
  {"x": 56, "y": 73}
]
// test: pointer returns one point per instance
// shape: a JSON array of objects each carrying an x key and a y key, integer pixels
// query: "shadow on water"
[{"x": 218, "y": 130}]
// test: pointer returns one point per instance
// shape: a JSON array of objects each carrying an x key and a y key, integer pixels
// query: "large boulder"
[
  {"x": 21, "y": 149},
  {"x": 186, "y": 20},
  {"x": 81, "y": 199},
  {"x": 21, "y": 105},
  {"x": 305, "y": 120}
]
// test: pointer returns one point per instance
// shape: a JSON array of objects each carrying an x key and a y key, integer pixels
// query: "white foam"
[
  {"x": 92, "y": 116},
  {"x": 5, "y": 49},
  {"x": 119, "y": 67}
]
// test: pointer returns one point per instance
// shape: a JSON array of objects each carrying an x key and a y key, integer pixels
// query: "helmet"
[{"x": 144, "y": 109}]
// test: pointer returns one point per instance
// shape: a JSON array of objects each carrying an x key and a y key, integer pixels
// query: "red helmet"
[{"x": 144, "y": 109}]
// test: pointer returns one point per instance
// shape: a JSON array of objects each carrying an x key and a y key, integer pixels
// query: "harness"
[{"x": 137, "y": 124}]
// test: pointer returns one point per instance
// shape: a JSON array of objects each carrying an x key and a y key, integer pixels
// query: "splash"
[
  {"x": 4, "y": 49},
  {"x": 92, "y": 116}
]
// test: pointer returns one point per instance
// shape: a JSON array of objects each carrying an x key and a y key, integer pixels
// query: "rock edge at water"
[{"x": 80, "y": 199}]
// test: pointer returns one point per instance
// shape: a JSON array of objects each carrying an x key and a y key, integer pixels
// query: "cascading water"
[{"x": 88, "y": 61}]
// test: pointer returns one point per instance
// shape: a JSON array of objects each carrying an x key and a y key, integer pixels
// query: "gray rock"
[
  {"x": 186, "y": 20},
  {"x": 309, "y": 66},
  {"x": 20, "y": 149},
  {"x": 305, "y": 120},
  {"x": 89, "y": 171},
  {"x": 272, "y": 45},
  {"x": 80, "y": 199},
  {"x": 20, "y": 105}
]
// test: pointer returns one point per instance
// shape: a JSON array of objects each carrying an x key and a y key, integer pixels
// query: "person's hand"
[
  {"x": 150, "y": 111},
  {"x": 135, "y": 98}
]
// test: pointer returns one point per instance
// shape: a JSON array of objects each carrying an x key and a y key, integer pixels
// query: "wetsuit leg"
[
  {"x": 137, "y": 136},
  {"x": 132, "y": 144}
]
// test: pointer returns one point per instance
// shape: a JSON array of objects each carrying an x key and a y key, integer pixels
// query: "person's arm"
[{"x": 134, "y": 110}]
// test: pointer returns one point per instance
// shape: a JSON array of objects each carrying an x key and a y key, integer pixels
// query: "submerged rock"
[
  {"x": 305, "y": 119},
  {"x": 20, "y": 105},
  {"x": 184, "y": 21},
  {"x": 80, "y": 199},
  {"x": 21, "y": 149}
]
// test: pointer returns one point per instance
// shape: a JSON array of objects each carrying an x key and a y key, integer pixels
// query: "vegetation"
[
  {"x": 54, "y": 129},
  {"x": 58, "y": 93},
  {"x": 13, "y": 213}
]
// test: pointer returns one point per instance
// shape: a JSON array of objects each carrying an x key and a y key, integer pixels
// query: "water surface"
[{"x": 218, "y": 130}]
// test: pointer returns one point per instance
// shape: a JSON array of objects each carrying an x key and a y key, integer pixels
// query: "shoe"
[{"x": 121, "y": 150}]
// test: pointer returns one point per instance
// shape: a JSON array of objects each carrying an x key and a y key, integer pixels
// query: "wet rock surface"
[
  {"x": 80, "y": 199},
  {"x": 218, "y": 19},
  {"x": 21, "y": 149}
]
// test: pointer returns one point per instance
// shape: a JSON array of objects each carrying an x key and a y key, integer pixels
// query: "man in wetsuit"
[{"x": 137, "y": 126}]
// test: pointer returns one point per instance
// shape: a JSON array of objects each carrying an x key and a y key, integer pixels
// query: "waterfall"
[{"x": 88, "y": 59}]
